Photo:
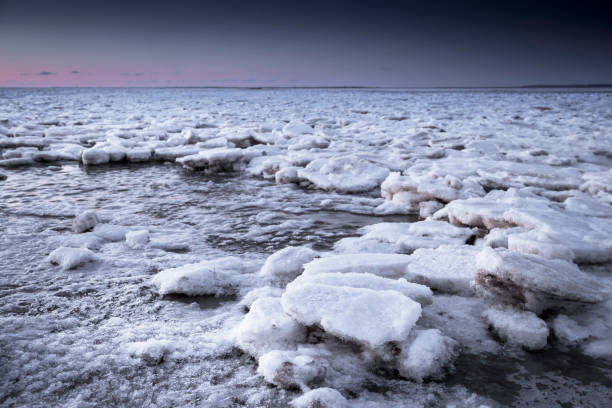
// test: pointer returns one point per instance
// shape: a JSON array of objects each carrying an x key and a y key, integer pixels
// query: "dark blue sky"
[{"x": 309, "y": 43}]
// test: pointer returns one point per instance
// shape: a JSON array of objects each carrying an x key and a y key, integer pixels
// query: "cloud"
[
  {"x": 46, "y": 73},
  {"x": 75, "y": 72}
]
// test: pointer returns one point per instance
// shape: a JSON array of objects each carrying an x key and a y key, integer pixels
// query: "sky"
[{"x": 304, "y": 43}]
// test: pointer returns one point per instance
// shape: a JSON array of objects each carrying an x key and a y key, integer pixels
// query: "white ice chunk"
[
  {"x": 347, "y": 174},
  {"x": 95, "y": 156},
  {"x": 152, "y": 351},
  {"x": 533, "y": 280},
  {"x": 85, "y": 221},
  {"x": 498, "y": 237},
  {"x": 70, "y": 258},
  {"x": 366, "y": 316},
  {"x": 295, "y": 128},
  {"x": 214, "y": 277},
  {"x": 287, "y": 263},
  {"x": 427, "y": 355},
  {"x": 220, "y": 158},
  {"x": 290, "y": 369},
  {"x": 385, "y": 265},
  {"x": 568, "y": 330},
  {"x": 137, "y": 239},
  {"x": 266, "y": 327},
  {"x": 448, "y": 269},
  {"x": 355, "y": 245},
  {"x": 422, "y": 234},
  {"x": 321, "y": 398},
  {"x": 539, "y": 243},
  {"x": 109, "y": 232},
  {"x": 599, "y": 348},
  {"x": 414, "y": 291},
  {"x": 518, "y": 327},
  {"x": 141, "y": 154},
  {"x": 258, "y": 293}
]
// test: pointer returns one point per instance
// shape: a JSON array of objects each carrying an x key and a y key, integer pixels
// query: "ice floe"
[
  {"x": 213, "y": 277},
  {"x": 70, "y": 258},
  {"x": 366, "y": 316},
  {"x": 532, "y": 281}
]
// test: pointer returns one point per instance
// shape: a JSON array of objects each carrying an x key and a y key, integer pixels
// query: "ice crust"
[
  {"x": 349, "y": 174},
  {"x": 422, "y": 234},
  {"x": 321, "y": 397},
  {"x": 511, "y": 191},
  {"x": 366, "y": 316},
  {"x": 414, "y": 291},
  {"x": 428, "y": 354},
  {"x": 384, "y": 265},
  {"x": 449, "y": 269},
  {"x": 70, "y": 258},
  {"x": 287, "y": 264},
  {"x": 519, "y": 327},
  {"x": 266, "y": 328},
  {"x": 214, "y": 277},
  {"x": 532, "y": 281}
]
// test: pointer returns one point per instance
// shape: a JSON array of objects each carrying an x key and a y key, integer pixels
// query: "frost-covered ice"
[
  {"x": 449, "y": 269},
  {"x": 414, "y": 291},
  {"x": 366, "y": 316},
  {"x": 70, "y": 258},
  {"x": 266, "y": 327},
  {"x": 427, "y": 355},
  {"x": 384, "y": 265},
  {"x": 288, "y": 263},
  {"x": 272, "y": 247},
  {"x": 519, "y": 327},
  {"x": 321, "y": 397},
  {"x": 534, "y": 282},
  {"x": 213, "y": 277}
]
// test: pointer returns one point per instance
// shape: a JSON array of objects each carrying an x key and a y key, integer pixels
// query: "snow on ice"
[{"x": 347, "y": 247}]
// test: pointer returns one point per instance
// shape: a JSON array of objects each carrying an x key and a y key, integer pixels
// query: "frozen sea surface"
[{"x": 505, "y": 196}]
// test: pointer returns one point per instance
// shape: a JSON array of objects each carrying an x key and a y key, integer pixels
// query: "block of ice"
[
  {"x": 346, "y": 174},
  {"x": 422, "y": 234},
  {"x": 95, "y": 156},
  {"x": 220, "y": 158},
  {"x": 385, "y": 265},
  {"x": 151, "y": 351},
  {"x": 295, "y": 128},
  {"x": 518, "y": 327},
  {"x": 137, "y": 239},
  {"x": 109, "y": 232},
  {"x": 266, "y": 327},
  {"x": 287, "y": 263},
  {"x": 533, "y": 281},
  {"x": 427, "y": 355},
  {"x": 366, "y": 316},
  {"x": 290, "y": 369},
  {"x": 568, "y": 330},
  {"x": 355, "y": 245},
  {"x": 258, "y": 293},
  {"x": 321, "y": 398},
  {"x": 85, "y": 221},
  {"x": 70, "y": 258},
  {"x": 448, "y": 269},
  {"x": 414, "y": 291},
  {"x": 213, "y": 277}
]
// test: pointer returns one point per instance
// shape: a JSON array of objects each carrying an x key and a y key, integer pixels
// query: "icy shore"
[{"x": 320, "y": 248}]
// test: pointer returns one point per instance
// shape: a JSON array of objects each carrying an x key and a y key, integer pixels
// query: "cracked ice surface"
[{"x": 225, "y": 248}]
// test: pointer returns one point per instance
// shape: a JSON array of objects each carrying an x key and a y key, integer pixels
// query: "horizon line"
[{"x": 530, "y": 86}]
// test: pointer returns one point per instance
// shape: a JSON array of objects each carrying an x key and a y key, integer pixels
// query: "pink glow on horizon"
[{"x": 25, "y": 75}]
